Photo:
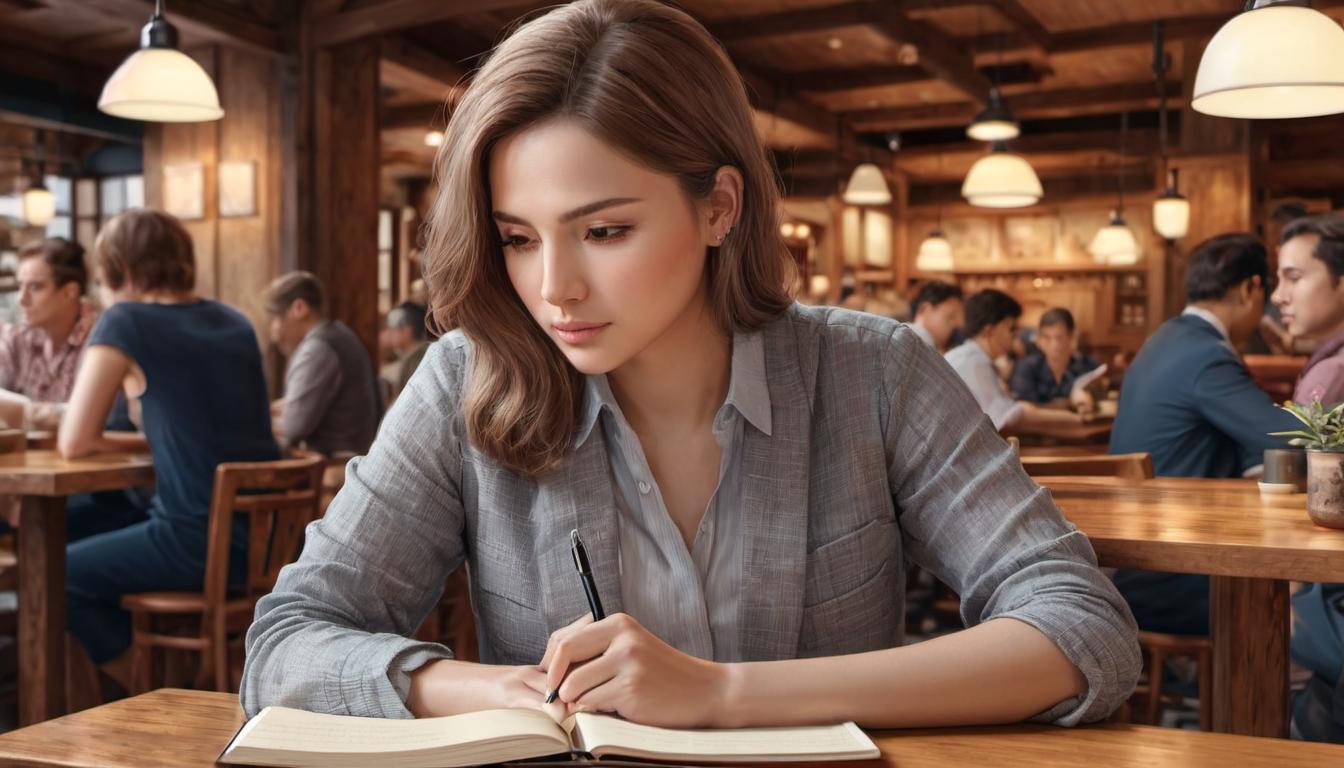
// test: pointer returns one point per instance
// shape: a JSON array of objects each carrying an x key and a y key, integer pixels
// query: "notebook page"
[
  {"x": 608, "y": 735},
  {"x": 293, "y": 730}
]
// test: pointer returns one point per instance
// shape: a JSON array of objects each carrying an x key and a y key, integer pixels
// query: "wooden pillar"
[
  {"x": 344, "y": 218},
  {"x": 902, "y": 259},
  {"x": 835, "y": 268}
]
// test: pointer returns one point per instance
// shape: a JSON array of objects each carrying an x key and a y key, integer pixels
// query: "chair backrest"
[
  {"x": 1127, "y": 466},
  {"x": 279, "y": 498},
  {"x": 13, "y": 441}
]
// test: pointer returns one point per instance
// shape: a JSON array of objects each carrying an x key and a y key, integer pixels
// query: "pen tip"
[
  {"x": 551, "y": 696},
  {"x": 574, "y": 537}
]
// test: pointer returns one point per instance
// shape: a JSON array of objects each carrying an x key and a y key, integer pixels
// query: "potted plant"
[{"x": 1323, "y": 437}]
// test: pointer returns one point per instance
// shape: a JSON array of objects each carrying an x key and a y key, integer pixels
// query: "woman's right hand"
[{"x": 450, "y": 687}]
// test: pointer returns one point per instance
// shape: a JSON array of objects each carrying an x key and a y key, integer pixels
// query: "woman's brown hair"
[
  {"x": 650, "y": 81},
  {"x": 149, "y": 249}
]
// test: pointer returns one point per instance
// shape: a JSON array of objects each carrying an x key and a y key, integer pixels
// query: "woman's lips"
[{"x": 579, "y": 333}]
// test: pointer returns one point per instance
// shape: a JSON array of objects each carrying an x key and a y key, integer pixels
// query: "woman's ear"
[{"x": 724, "y": 204}]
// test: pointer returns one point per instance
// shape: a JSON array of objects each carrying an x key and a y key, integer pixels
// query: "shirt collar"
[
  {"x": 748, "y": 389},
  {"x": 1211, "y": 319}
]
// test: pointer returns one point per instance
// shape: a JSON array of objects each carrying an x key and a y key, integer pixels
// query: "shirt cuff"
[{"x": 374, "y": 679}]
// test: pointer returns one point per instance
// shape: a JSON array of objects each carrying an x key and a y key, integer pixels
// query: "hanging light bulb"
[
  {"x": 1114, "y": 243},
  {"x": 996, "y": 123},
  {"x": 1171, "y": 211},
  {"x": 39, "y": 204},
  {"x": 1002, "y": 179},
  {"x": 935, "y": 253},
  {"x": 867, "y": 186},
  {"x": 159, "y": 83},
  {"x": 433, "y": 138},
  {"x": 1278, "y": 59},
  {"x": 802, "y": 231},
  {"x": 786, "y": 229}
]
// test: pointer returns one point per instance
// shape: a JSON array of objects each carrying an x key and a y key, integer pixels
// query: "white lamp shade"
[
  {"x": 1002, "y": 180},
  {"x": 1171, "y": 217},
  {"x": 161, "y": 85},
  {"x": 867, "y": 186},
  {"x": 935, "y": 254},
  {"x": 1273, "y": 62},
  {"x": 39, "y": 206},
  {"x": 994, "y": 130},
  {"x": 1115, "y": 244}
]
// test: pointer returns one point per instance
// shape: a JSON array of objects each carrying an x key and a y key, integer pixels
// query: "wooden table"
[
  {"x": 44, "y": 479},
  {"x": 1092, "y": 432},
  {"x": 1251, "y": 545},
  {"x": 182, "y": 729}
]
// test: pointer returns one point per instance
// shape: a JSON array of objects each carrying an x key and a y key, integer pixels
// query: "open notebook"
[{"x": 280, "y": 736}]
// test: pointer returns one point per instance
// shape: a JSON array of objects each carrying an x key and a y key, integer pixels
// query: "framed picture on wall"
[
  {"x": 237, "y": 189},
  {"x": 184, "y": 190}
]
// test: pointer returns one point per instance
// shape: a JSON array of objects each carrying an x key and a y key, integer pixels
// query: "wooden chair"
[
  {"x": 1157, "y": 648},
  {"x": 279, "y": 499},
  {"x": 1127, "y": 466}
]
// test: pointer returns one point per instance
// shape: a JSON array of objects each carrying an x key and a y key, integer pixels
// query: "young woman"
[
  {"x": 192, "y": 369},
  {"x": 749, "y": 476}
]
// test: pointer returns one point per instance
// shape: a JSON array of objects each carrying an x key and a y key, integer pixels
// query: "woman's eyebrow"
[{"x": 582, "y": 210}]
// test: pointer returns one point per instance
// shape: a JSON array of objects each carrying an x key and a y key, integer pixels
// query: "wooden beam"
[
  {"x": 806, "y": 21},
  {"x": 57, "y": 70},
  {"x": 1063, "y": 102},
  {"x": 407, "y": 66},
  {"x": 1025, "y": 21},
  {"x": 395, "y": 15},
  {"x": 939, "y": 53},
  {"x": 415, "y": 116},
  {"x": 1138, "y": 143},
  {"x": 199, "y": 20}
]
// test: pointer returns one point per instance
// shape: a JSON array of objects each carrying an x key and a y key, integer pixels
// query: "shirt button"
[{"x": 644, "y": 487}]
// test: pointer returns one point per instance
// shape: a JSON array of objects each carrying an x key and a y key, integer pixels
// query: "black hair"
[
  {"x": 933, "y": 293},
  {"x": 1221, "y": 263},
  {"x": 1058, "y": 316},
  {"x": 989, "y": 307},
  {"x": 1329, "y": 227}
]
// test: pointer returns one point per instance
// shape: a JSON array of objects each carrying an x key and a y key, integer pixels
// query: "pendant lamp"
[
  {"x": 1114, "y": 243},
  {"x": 1002, "y": 179},
  {"x": 1171, "y": 211},
  {"x": 935, "y": 253},
  {"x": 1277, "y": 59},
  {"x": 996, "y": 123},
  {"x": 159, "y": 83},
  {"x": 39, "y": 204},
  {"x": 867, "y": 186}
]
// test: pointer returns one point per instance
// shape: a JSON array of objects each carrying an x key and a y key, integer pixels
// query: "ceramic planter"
[{"x": 1325, "y": 488}]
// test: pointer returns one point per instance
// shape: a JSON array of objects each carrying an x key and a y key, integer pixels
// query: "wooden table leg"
[
  {"x": 1250, "y": 655},
  {"x": 41, "y": 554}
]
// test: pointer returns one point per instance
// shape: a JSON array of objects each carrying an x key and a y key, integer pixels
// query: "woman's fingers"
[
  {"x": 589, "y": 675},
  {"x": 561, "y": 633},
  {"x": 580, "y": 645}
]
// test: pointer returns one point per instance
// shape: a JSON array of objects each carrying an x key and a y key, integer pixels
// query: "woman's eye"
[
  {"x": 602, "y": 234},
  {"x": 515, "y": 241}
]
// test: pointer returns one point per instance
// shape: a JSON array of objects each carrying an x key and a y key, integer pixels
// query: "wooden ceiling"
[{"x": 831, "y": 78}]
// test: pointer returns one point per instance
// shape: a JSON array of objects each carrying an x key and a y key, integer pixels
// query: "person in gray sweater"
[{"x": 332, "y": 402}]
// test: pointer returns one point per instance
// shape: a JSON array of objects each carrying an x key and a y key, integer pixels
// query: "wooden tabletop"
[
  {"x": 1095, "y": 430},
  {"x": 45, "y": 473},
  {"x": 1192, "y": 525},
  {"x": 190, "y": 728}
]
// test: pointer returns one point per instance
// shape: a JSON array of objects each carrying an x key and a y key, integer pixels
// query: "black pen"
[{"x": 589, "y": 587}]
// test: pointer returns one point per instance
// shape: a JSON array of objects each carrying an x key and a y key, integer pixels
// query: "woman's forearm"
[{"x": 1001, "y": 671}]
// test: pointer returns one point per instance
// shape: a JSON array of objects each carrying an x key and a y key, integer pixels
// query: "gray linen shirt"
[
  {"x": 877, "y": 455},
  {"x": 687, "y": 598}
]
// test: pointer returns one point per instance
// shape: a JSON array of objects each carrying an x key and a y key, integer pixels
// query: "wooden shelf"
[{"x": 1043, "y": 269}]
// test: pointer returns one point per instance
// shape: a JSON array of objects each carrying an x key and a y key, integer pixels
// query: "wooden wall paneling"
[
  {"x": 1219, "y": 189},
  {"x": 903, "y": 257},
  {"x": 249, "y": 246},
  {"x": 1202, "y": 133},
  {"x": 345, "y": 152},
  {"x": 835, "y": 264}
]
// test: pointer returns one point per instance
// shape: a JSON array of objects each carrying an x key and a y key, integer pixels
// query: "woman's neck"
[
  {"x": 166, "y": 297},
  {"x": 681, "y": 378}
]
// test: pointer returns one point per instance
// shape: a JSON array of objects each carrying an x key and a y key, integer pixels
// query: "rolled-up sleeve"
[
  {"x": 971, "y": 516},
  {"x": 332, "y": 636}
]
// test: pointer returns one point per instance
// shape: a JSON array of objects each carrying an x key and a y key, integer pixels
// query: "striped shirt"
[
  {"x": 43, "y": 375},
  {"x": 689, "y": 599}
]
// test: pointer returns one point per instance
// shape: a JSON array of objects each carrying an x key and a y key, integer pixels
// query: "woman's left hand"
[{"x": 616, "y": 665}]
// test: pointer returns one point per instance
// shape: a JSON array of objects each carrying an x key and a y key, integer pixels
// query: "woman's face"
[{"x": 606, "y": 254}]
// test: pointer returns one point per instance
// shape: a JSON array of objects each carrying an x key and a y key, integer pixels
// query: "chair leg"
[
  {"x": 219, "y": 651},
  {"x": 1157, "y": 660},
  {"x": 1206, "y": 689},
  {"x": 141, "y": 654}
]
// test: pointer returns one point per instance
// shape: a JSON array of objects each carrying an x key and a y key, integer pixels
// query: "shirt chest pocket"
[{"x": 844, "y": 565}]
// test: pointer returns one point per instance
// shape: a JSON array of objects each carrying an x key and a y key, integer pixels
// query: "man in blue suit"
[{"x": 1189, "y": 400}]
